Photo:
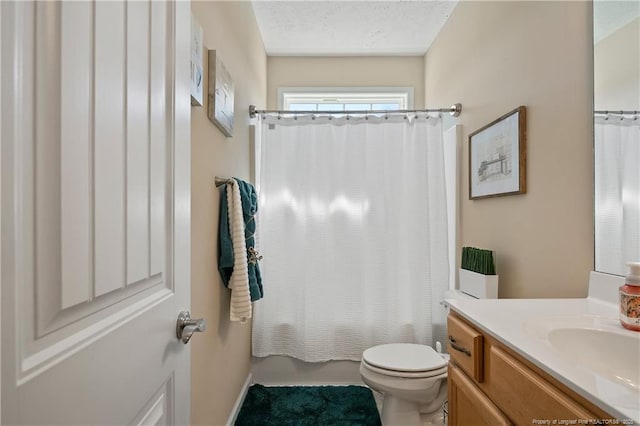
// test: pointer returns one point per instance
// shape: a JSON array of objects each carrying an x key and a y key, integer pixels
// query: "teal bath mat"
[{"x": 308, "y": 405}]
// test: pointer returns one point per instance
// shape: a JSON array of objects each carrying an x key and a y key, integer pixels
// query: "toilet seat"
[
  {"x": 405, "y": 374},
  {"x": 404, "y": 360}
]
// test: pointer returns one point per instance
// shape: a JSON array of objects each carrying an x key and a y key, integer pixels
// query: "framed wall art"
[
  {"x": 221, "y": 88},
  {"x": 197, "y": 93},
  {"x": 497, "y": 157}
]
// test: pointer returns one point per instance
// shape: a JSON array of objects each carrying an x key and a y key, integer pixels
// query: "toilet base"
[
  {"x": 436, "y": 418},
  {"x": 397, "y": 411}
]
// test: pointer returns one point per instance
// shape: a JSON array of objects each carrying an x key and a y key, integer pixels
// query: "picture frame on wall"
[
  {"x": 221, "y": 95},
  {"x": 197, "y": 72},
  {"x": 497, "y": 157}
]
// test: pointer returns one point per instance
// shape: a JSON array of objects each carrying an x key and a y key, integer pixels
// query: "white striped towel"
[{"x": 240, "y": 309}]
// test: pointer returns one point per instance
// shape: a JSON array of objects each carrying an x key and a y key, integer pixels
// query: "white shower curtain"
[
  {"x": 617, "y": 193},
  {"x": 353, "y": 229}
]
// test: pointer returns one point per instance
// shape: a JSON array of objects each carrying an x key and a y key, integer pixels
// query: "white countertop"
[{"x": 520, "y": 325}]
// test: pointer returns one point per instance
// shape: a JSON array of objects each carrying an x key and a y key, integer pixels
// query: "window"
[{"x": 345, "y": 99}]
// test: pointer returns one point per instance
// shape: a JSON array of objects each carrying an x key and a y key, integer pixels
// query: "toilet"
[{"x": 412, "y": 379}]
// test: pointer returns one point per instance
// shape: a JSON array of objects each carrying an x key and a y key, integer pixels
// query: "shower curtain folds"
[
  {"x": 617, "y": 192},
  {"x": 353, "y": 227}
]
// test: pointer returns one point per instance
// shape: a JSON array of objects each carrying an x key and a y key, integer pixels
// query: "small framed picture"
[
  {"x": 497, "y": 157},
  {"x": 221, "y": 95}
]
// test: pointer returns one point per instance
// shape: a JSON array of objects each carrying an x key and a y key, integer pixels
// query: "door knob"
[{"x": 186, "y": 326}]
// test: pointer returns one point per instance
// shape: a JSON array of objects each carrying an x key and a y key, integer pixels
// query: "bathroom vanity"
[{"x": 543, "y": 361}]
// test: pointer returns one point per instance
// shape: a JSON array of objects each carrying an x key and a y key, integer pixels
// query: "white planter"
[{"x": 478, "y": 285}]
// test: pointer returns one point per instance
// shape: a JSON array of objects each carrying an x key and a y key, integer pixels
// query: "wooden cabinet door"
[
  {"x": 526, "y": 396},
  {"x": 468, "y": 406}
]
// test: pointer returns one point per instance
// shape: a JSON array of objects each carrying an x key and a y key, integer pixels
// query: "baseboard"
[{"x": 241, "y": 396}]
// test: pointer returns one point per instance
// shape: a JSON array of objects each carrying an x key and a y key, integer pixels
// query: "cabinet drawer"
[
  {"x": 465, "y": 345},
  {"x": 468, "y": 405},
  {"x": 524, "y": 395}
]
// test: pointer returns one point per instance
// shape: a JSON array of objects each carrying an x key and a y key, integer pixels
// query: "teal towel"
[{"x": 249, "y": 199}]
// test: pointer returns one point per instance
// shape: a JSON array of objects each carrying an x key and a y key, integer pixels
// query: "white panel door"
[{"x": 95, "y": 220}]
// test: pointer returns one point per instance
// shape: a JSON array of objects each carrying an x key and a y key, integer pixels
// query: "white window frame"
[{"x": 403, "y": 96}]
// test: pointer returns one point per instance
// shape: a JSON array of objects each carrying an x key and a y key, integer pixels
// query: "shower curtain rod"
[
  {"x": 454, "y": 110},
  {"x": 619, "y": 112}
]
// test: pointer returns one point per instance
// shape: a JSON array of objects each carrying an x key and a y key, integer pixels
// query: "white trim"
[
  {"x": 347, "y": 91},
  {"x": 452, "y": 159},
  {"x": 240, "y": 400},
  {"x": 17, "y": 41},
  {"x": 155, "y": 413}
]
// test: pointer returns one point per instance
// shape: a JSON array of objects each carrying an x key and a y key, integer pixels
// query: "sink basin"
[
  {"x": 598, "y": 344},
  {"x": 608, "y": 353}
]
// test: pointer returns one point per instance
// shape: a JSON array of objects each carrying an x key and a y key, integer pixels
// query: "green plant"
[{"x": 478, "y": 260}]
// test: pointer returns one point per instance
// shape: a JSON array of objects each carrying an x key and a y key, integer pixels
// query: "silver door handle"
[{"x": 185, "y": 327}]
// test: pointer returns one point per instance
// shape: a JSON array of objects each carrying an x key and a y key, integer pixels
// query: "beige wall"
[
  {"x": 617, "y": 69},
  {"x": 392, "y": 71},
  {"x": 220, "y": 357},
  {"x": 493, "y": 57}
]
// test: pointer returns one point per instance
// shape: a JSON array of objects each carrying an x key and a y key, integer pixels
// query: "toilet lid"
[{"x": 407, "y": 357}]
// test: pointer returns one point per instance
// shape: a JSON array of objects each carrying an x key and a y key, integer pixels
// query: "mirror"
[{"x": 616, "y": 31}]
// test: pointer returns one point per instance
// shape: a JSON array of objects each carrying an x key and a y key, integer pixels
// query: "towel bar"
[{"x": 222, "y": 181}]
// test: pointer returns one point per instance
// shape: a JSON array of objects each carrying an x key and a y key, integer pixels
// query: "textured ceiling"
[
  {"x": 356, "y": 28},
  {"x": 609, "y": 16}
]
